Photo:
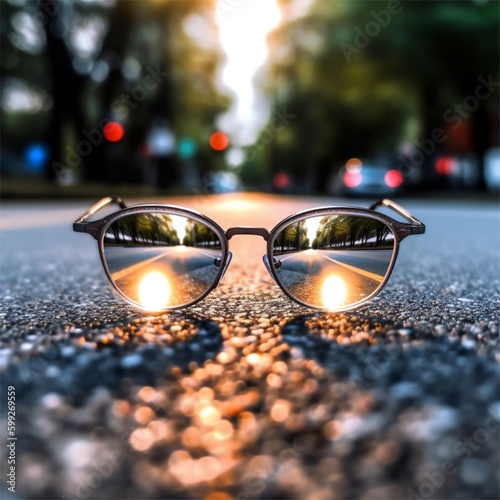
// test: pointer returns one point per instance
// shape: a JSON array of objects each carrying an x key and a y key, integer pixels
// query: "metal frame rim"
[
  {"x": 148, "y": 208},
  {"x": 305, "y": 214}
]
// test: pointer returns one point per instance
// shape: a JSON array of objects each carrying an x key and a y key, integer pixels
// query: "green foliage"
[
  {"x": 141, "y": 33},
  {"x": 292, "y": 238},
  {"x": 199, "y": 235},
  {"x": 341, "y": 232},
  {"x": 142, "y": 229},
  {"x": 371, "y": 100}
]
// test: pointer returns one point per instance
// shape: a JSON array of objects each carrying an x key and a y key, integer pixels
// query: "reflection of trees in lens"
[
  {"x": 292, "y": 238},
  {"x": 158, "y": 229},
  {"x": 198, "y": 234},
  {"x": 142, "y": 229},
  {"x": 335, "y": 232},
  {"x": 344, "y": 232}
]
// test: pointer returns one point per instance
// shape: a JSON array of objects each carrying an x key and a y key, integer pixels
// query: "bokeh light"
[
  {"x": 445, "y": 165},
  {"x": 352, "y": 179},
  {"x": 354, "y": 165},
  {"x": 154, "y": 291},
  {"x": 333, "y": 292},
  {"x": 36, "y": 156},
  {"x": 219, "y": 141},
  {"x": 393, "y": 178},
  {"x": 281, "y": 180},
  {"x": 186, "y": 148},
  {"x": 113, "y": 131}
]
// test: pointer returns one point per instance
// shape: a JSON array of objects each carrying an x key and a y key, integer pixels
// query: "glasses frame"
[{"x": 97, "y": 229}]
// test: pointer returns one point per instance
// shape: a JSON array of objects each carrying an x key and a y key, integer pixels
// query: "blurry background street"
[
  {"x": 294, "y": 96},
  {"x": 221, "y": 106}
]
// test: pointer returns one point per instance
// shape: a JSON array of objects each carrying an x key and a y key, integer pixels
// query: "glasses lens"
[
  {"x": 333, "y": 261},
  {"x": 160, "y": 260}
]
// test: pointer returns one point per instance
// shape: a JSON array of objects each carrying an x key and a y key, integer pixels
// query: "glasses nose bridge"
[{"x": 249, "y": 230}]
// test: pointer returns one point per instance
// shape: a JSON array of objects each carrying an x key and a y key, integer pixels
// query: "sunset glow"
[
  {"x": 154, "y": 291},
  {"x": 333, "y": 292},
  {"x": 243, "y": 27}
]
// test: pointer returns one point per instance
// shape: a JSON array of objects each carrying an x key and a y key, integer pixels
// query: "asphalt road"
[{"x": 246, "y": 394}]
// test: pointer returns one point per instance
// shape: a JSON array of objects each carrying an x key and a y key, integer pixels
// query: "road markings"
[
  {"x": 135, "y": 267},
  {"x": 366, "y": 274}
]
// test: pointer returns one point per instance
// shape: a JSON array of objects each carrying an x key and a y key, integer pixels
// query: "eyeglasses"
[{"x": 162, "y": 257}]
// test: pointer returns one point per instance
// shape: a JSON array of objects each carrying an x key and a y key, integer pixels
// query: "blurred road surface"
[{"x": 246, "y": 394}]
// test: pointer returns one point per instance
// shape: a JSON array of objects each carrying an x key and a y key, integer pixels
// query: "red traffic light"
[
  {"x": 113, "y": 131},
  {"x": 219, "y": 141}
]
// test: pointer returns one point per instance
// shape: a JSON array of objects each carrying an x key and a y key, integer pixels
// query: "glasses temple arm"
[
  {"x": 415, "y": 223},
  {"x": 80, "y": 222}
]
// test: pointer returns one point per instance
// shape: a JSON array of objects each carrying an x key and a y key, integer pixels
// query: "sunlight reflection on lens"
[
  {"x": 179, "y": 224},
  {"x": 334, "y": 292},
  {"x": 154, "y": 291}
]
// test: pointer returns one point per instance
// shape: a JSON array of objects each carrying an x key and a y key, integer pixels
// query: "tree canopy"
[{"x": 365, "y": 78}]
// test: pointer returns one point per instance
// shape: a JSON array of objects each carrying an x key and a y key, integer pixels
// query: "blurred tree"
[
  {"x": 127, "y": 61},
  {"x": 444, "y": 47},
  {"x": 363, "y": 81},
  {"x": 293, "y": 238}
]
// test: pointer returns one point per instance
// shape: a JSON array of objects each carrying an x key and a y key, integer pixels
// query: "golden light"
[
  {"x": 154, "y": 291},
  {"x": 333, "y": 292},
  {"x": 147, "y": 394},
  {"x": 312, "y": 225},
  {"x": 206, "y": 394},
  {"x": 141, "y": 439},
  {"x": 179, "y": 224},
  {"x": 235, "y": 204},
  {"x": 223, "y": 430},
  {"x": 210, "y": 415},
  {"x": 206, "y": 468},
  {"x": 121, "y": 408},
  {"x": 253, "y": 359},
  {"x": 243, "y": 27},
  {"x": 144, "y": 414},
  {"x": 280, "y": 410},
  {"x": 354, "y": 165}
]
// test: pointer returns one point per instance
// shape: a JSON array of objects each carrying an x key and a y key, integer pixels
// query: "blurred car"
[
  {"x": 458, "y": 171},
  {"x": 222, "y": 182},
  {"x": 368, "y": 177}
]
